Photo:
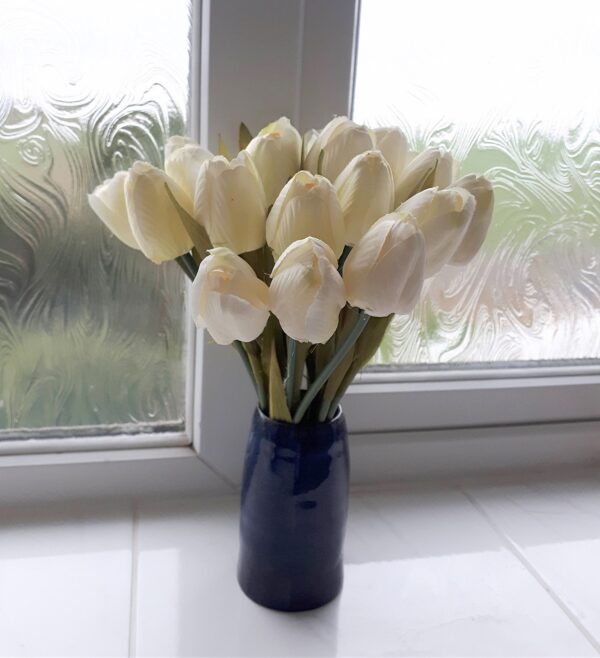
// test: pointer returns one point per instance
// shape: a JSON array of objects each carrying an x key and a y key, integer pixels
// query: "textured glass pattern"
[
  {"x": 90, "y": 332},
  {"x": 513, "y": 92}
]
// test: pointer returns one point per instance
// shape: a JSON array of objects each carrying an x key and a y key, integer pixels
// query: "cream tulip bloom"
[
  {"x": 340, "y": 140},
  {"x": 153, "y": 217},
  {"x": 384, "y": 272},
  {"x": 443, "y": 216},
  {"x": 276, "y": 153},
  {"x": 183, "y": 165},
  {"x": 433, "y": 167},
  {"x": 306, "y": 206},
  {"x": 176, "y": 142},
  {"x": 108, "y": 202},
  {"x": 307, "y": 292},
  {"x": 365, "y": 190},
  {"x": 230, "y": 203},
  {"x": 228, "y": 298},
  {"x": 481, "y": 188},
  {"x": 393, "y": 144}
]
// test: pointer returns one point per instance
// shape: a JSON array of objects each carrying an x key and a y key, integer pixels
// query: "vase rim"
[{"x": 338, "y": 414}]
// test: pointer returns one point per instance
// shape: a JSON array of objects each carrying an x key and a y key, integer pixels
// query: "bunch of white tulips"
[{"x": 301, "y": 250}]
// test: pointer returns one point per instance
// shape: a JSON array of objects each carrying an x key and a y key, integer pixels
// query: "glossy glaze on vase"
[{"x": 294, "y": 505}]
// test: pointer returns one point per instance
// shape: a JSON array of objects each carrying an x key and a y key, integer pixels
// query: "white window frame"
[{"x": 254, "y": 61}]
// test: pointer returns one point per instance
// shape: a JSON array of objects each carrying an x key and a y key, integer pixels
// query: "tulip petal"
[
  {"x": 228, "y": 299},
  {"x": 154, "y": 220},
  {"x": 228, "y": 318},
  {"x": 307, "y": 292},
  {"x": 306, "y": 206},
  {"x": 476, "y": 233},
  {"x": 276, "y": 152},
  {"x": 365, "y": 190},
  {"x": 183, "y": 166},
  {"x": 384, "y": 272},
  {"x": 433, "y": 167},
  {"x": 176, "y": 142},
  {"x": 342, "y": 147},
  {"x": 108, "y": 202},
  {"x": 230, "y": 203},
  {"x": 393, "y": 145}
]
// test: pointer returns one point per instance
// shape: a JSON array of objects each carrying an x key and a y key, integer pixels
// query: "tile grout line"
[
  {"x": 513, "y": 547},
  {"x": 133, "y": 585}
]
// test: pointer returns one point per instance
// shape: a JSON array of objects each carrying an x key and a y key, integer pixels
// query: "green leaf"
[
  {"x": 278, "y": 409},
  {"x": 244, "y": 136},
  {"x": 253, "y": 352},
  {"x": 348, "y": 319},
  {"x": 194, "y": 229},
  {"x": 364, "y": 349},
  {"x": 301, "y": 352}
]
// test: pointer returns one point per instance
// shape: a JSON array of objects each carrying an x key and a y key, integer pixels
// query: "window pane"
[
  {"x": 90, "y": 332},
  {"x": 512, "y": 93}
]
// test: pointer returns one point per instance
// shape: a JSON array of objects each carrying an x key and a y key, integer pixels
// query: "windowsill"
[{"x": 494, "y": 568}]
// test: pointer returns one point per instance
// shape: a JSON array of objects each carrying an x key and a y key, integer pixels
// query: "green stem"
[
  {"x": 189, "y": 259},
  {"x": 253, "y": 352},
  {"x": 185, "y": 267},
  {"x": 315, "y": 387},
  {"x": 290, "y": 374},
  {"x": 242, "y": 352},
  {"x": 343, "y": 257}
]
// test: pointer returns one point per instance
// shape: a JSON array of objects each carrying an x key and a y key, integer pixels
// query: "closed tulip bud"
[
  {"x": 340, "y": 140},
  {"x": 154, "y": 220},
  {"x": 108, "y": 202},
  {"x": 365, "y": 190},
  {"x": 384, "y": 272},
  {"x": 482, "y": 190},
  {"x": 431, "y": 168},
  {"x": 306, "y": 206},
  {"x": 176, "y": 142},
  {"x": 276, "y": 153},
  {"x": 183, "y": 165},
  {"x": 230, "y": 203},
  {"x": 228, "y": 298},
  {"x": 393, "y": 144},
  {"x": 307, "y": 292},
  {"x": 443, "y": 216}
]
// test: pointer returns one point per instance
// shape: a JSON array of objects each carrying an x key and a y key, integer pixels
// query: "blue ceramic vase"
[{"x": 294, "y": 505}]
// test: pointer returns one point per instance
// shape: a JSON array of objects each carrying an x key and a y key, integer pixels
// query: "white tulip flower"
[
  {"x": 393, "y": 144},
  {"x": 433, "y": 167},
  {"x": 307, "y": 292},
  {"x": 365, "y": 190},
  {"x": 228, "y": 298},
  {"x": 340, "y": 140},
  {"x": 108, "y": 202},
  {"x": 176, "y": 142},
  {"x": 306, "y": 206},
  {"x": 384, "y": 272},
  {"x": 230, "y": 203},
  {"x": 276, "y": 153},
  {"x": 153, "y": 217},
  {"x": 443, "y": 216},
  {"x": 481, "y": 189},
  {"x": 183, "y": 165}
]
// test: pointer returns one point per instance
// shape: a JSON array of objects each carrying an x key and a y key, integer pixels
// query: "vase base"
[{"x": 285, "y": 594}]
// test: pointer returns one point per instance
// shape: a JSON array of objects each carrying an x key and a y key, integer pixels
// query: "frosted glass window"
[
  {"x": 512, "y": 90},
  {"x": 91, "y": 333}
]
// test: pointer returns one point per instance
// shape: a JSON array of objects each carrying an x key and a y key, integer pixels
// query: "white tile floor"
[{"x": 481, "y": 570}]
